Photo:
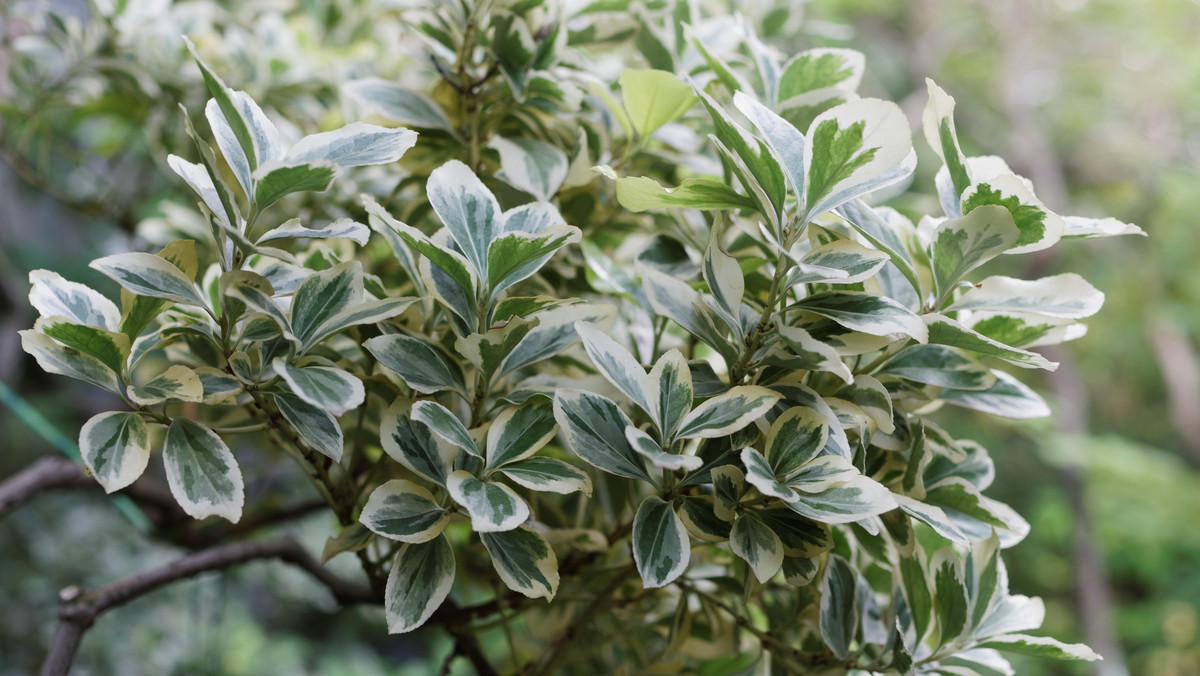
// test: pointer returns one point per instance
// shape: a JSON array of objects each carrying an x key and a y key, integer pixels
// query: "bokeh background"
[{"x": 1097, "y": 101}]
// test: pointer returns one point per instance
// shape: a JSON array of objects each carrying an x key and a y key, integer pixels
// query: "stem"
[
  {"x": 754, "y": 341},
  {"x": 602, "y": 601}
]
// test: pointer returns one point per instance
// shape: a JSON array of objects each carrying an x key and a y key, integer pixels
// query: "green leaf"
[
  {"x": 324, "y": 295},
  {"x": 487, "y": 351},
  {"x": 315, "y": 426},
  {"x": 934, "y": 517},
  {"x": 654, "y": 98},
  {"x": 468, "y": 210},
  {"x": 668, "y": 390},
  {"x": 1040, "y": 646},
  {"x": 800, "y": 351},
  {"x": 660, "y": 543},
  {"x": 524, "y": 561},
  {"x": 422, "y": 366},
  {"x": 177, "y": 382},
  {"x": 548, "y": 475},
  {"x": 419, "y": 582},
  {"x": 115, "y": 448},
  {"x": 727, "y": 413},
  {"x": 201, "y": 472},
  {"x": 519, "y": 432},
  {"x": 882, "y": 235},
  {"x": 1068, "y": 296},
  {"x": 821, "y": 69},
  {"x": 701, "y": 521},
  {"x": 641, "y": 193},
  {"x": 532, "y": 166},
  {"x": 616, "y": 364},
  {"x": 872, "y": 397},
  {"x": 404, "y": 511},
  {"x": 940, "y": 366},
  {"x": 110, "y": 347},
  {"x": 795, "y": 438},
  {"x": 554, "y": 332},
  {"x": 391, "y": 101},
  {"x": 412, "y": 444},
  {"x": 757, "y": 545},
  {"x": 760, "y": 475},
  {"x": 354, "y": 145},
  {"x": 353, "y": 538},
  {"x": 839, "y": 606},
  {"x": 219, "y": 387},
  {"x": 66, "y": 361},
  {"x": 1038, "y": 226},
  {"x": 950, "y": 595},
  {"x": 915, "y": 584},
  {"x": 493, "y": 507},
  {"x": 148, "y": 275},
  {"x": 275, "y": 180},
  {"x": 53, "y": 296},
  {"x": 946, "y": 331},
  {"x": 594, "y": 429},
  {"x": 445, "y": 424},
  {"x": 801, "y": 537},
  {"x": 370, "y": 312},
  {"x": 820, "y": 475},
  {"x": 874, "y": 315},
  {"x": 230, "y": 113},
  {"x": 342, "y": 228},
  {"x": 254, "y": 292},
  {"x": 851, "y": 149},
  {"x": 325, "y": 387},
  {"x": 839, "y": 262},
  {"x": 1008, "y": 398}
]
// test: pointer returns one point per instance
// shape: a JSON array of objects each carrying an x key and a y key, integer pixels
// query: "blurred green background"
[{"x": 1097, "y": 101}]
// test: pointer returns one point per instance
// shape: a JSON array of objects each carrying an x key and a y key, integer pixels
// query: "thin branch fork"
[
  {"x": 45, "y": 474},
  {"x": 77, "y": 609}
]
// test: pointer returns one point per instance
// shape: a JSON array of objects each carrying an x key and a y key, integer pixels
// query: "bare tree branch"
[
  {"x": 45, "y": 474},
  {"x": 77, "y": 609}
]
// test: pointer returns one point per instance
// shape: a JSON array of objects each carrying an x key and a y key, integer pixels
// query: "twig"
[
  {"x": 45, "y": 474},
  {"x": 78, "y": 610}
]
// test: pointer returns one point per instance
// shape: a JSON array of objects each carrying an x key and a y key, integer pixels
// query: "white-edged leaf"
[
  {"x": 342, "y": 228},
  {"x": 616, "y": 364},
  {"x": 851, "y": 501},
  {"x": 850, "y": 147},
  {"x": 938, "y": 365},
  {"x": 493, "y": 506},
  {"x": 533, "y": 166},
  {"x": 324, "y": 295},
  {"x": 821, "y": 474},
  {"x": 725, "y": 281},
  {"x": 782, "y": 137},
  {"x": 177, "y": 382},
  {"x": 962, "y": 244},
  {"x": 519, "y": 432},
  {"x": 1083, "y": 227},
  {"x": 594, "y": 428},
  {"x": 524, "y": 561},
  {"x": 821, "y": 68},
  {"x": 413, "y": 445},
  {"x": 951, "y": 606},
  {"x": 669, "y": 392},
  {"x": 110, "y": 347},
  {"x": 1067, "y": 295},
  {"x": 423, "y": 367},
  {"x": 757, "y": 545},
  {"x": 946, "y": 331},
  {"x": 1039, "y": 227},
  {"x": 1040, "y": 646},
  {"x": 315, "y": 426},
  {"x": 115, "y": 448},
  {"x": 660, "y": 543},
  {"x": 650, "y": 449},
  {"x": 354, "y": 145},
  {"x": 937, "y": 121},
  {"x": 275, "y": 180},
  {"x": 219, "y": 387},
  {"x": 554, "y": 332},
  {"x": 804, "y": 352},
  {"x": 874, "y": 315},
  {"x": 674, "y": 298},
  {"x": 419, "y": 582},
  {"x": 445, "y": 424},
  {"x": 404, "y": 511},
  {"x": 468, "y": 210},
  {"x": 391, "y": 101},
  {"x": 878, "y": 227},
  {"x": 53, "y": 296},
  {"x": 548, "y": 475},
  {"x": 839, "y": 606},
  {"x": 515, "y": 256},
  {"x": 145, "y": 274},
  {"x": 839, "y": 262},
  {"x": 933, "y": 516},
  {"x": 795, "y": 438},
  {"x": 201, "y": 472},
  {"x": 1008, "y": 398},
  {"x": 760, "y": 475},
  {"x": 370, "y": 312},
  {"x": 54, "y": 358},
  {"x": 728, "y": 412},
  {"x": 326, "y": 387}
]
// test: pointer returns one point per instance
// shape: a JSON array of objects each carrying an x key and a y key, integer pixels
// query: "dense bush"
[{"x": 697, "y": 419}]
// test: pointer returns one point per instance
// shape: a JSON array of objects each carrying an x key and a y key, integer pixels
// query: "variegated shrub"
[{"x": 644, "y": 339}]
